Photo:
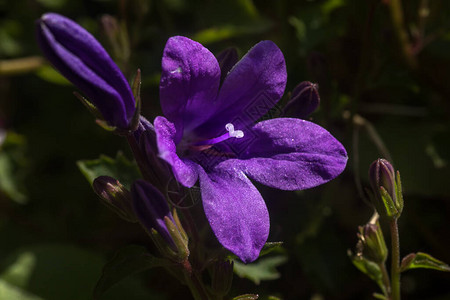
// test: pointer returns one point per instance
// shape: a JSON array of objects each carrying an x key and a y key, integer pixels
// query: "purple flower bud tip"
[
  {"x": 78, "y": 56},
  {"x": 382, "y": 174},
  {"x": 304, "y": 101}
]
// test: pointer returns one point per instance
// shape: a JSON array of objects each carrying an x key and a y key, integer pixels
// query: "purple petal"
[
  {"x": 189, "y": 83},
  {"x": 289, "y": 154},
  {"x": 184, "y": 170},
  {"x": 81, "y": 58},
  {"x": 236, "y": 212},
  {"x": 151, "y": 207},
  {"x": 253, "y": 86}
]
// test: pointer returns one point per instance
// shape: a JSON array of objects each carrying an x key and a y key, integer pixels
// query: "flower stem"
[
  {"x": 195, "y": 285},
  {"x": 396, "y": 11},
  {"x": 385, "y": 277},
  {"x": 395, "y": 260}
]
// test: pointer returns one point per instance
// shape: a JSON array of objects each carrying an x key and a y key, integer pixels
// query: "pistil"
[{"x": 231, "y": 133}]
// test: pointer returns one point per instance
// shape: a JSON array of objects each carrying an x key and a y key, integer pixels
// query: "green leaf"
[
  {"x": 271, "y": 247},
  {"x": 127, "y": 261},
  {"x": 52, "y": 271},
  {"x": 264, "y": 269},
  {"x": 246, "y": 297},
  {"x": 9, "y": 291},
  {"x": 371, "y": 269},
  {"x": 424, "y": 261},
  {"x": 220, "y": 33},
  {"x": 119, "y": 168},
  {"x": 12, "y": 165}
]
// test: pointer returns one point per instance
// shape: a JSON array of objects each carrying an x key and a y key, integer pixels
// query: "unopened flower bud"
[
  {"x": 82, "y": 60},
  {"x": 387, "y": 189},
  {"x": 227, "y": 59},
  {"x": 154, "y": 215},
  {"x": 304, "y": 100},
  {"x": 222, "y": 277},
  {"x": 114, "y": 195},
  {"x": 371, "y": 242}
]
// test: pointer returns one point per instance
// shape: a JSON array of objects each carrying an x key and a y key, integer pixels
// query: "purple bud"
[
  {"x": 80, "y": 58},
  {"x": 151, "y": 208},
  {"x": 115, "y": 196},
  {"x": 387, "y": 190},
  {"x": 227, "y": 59},
  {"x": 304, "y": 100},
  {"x": 382, "y": 174}
]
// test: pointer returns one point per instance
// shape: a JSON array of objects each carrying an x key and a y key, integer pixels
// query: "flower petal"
[
  {"x": 184, "y": 170},
  {"x": 236, "y": 212},
  {"x": 253, "y": 86},
  {"x": 288, "y": 154},
  {"x": 189, "y": 82}
]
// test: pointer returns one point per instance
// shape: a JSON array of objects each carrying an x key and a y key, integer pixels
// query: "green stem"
[
  {"x": 386, "y": 282},
  {"x": 396, "y": 11},
  {"x": 195, "y": 285},
  {"x": 395, "y": 260}
]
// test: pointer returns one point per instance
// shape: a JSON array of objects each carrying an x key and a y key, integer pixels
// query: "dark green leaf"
[
  {"x": 128, "y": 261},
  {"x": 424, "y": 261},
  {"x": 119, "y": 168},
  {"x": 371, "y": 269},
  {"x": 264, "y": 269},
  {"x": 12, "y": 166},
  {"x": 271, "y": 247},
  {"x": 246, "y": 297}
]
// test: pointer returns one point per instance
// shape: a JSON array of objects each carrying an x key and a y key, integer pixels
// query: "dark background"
[{"x": 55, "y": 235}]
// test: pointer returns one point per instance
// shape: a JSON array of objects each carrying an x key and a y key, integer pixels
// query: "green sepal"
[
  {"x": 90, "y": 107},
  {"x": 127, "y": 261},
  {"x": 389, "y": 204},
  {"x": 423, "y": 261},
  {"x": 371, "y": 269},
  {"x": 136, "y": 89},
  {"x": 180, "y": 242},
  {"x": 379, "y": 296},
  {"x": 399, "y": 192},
  {"x": 246, "y": 297}
]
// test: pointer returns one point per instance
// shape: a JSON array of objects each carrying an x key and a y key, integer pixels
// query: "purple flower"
[
  {"x": 82, "y": 60},
  {"x": 209, "y": 134}
]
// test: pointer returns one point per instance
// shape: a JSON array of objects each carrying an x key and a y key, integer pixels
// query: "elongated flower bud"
[
  {"x": 80, "y": 58},
  {"x": 154, "y": 214},
  {"x": 387, "y": 188},
  {"x": 114, "y": 195}
]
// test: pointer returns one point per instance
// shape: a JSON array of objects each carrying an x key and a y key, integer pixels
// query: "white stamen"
[
  {"x": 177, "y": 70},
  {"x": 234, "y": 133}
]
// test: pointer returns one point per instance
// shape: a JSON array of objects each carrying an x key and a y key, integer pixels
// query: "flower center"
[{"x": 206, "y": 144}]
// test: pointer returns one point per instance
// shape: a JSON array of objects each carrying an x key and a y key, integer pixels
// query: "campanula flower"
[
  {"x": 82, "y": 60},
  {"x": 208, "y": 133}
]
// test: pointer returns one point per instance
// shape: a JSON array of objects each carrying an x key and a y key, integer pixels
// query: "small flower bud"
[
  {"x": 387, "y": 190},
  {"x": 227, "y": 59},
  {"x": 154, "y": 215},
  {"x": 222, "y": 277},
  {"x": 371, "y": 242},
  {"x": 114, "y": 195},
  {"x": 82, "y": 60},
  {"x": 304, "y": 100}
]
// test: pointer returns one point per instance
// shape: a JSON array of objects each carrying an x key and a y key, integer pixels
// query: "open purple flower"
[
  {"x": 209, "y": 134},
  {"x": 82, "y": 60}
]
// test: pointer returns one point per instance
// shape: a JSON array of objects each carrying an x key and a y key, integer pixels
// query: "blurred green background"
[{"x": 55, "y": 235}]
